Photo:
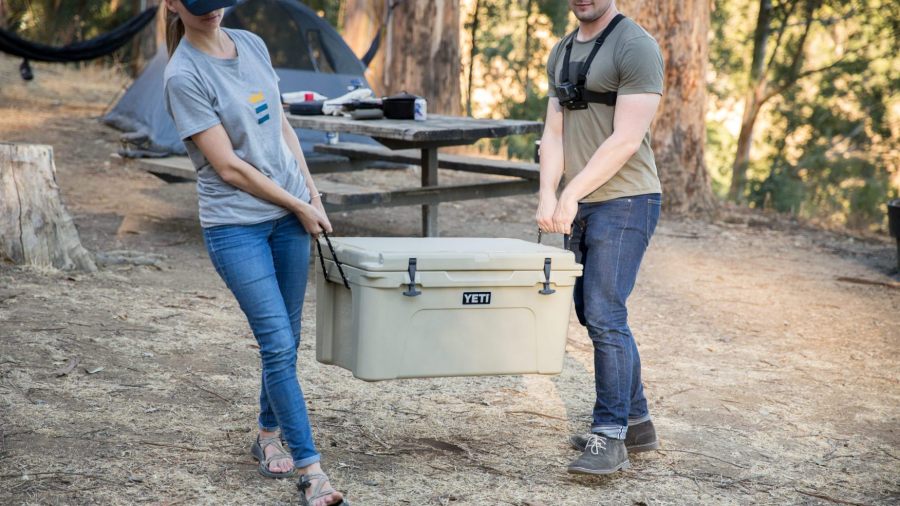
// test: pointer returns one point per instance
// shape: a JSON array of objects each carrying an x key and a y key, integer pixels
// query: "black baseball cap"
[{"x": 201, "y": 7}]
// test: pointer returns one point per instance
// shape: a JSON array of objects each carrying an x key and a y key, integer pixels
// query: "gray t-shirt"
[{"x": 242, "y": 95}]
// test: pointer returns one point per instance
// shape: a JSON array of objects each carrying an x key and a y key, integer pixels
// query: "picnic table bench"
[
  {"x": 180, "y": 168},
  {"x": 338, "y": 196}
]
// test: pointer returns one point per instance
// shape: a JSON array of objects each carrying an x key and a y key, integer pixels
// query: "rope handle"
[{"x": 333, "y": 256}]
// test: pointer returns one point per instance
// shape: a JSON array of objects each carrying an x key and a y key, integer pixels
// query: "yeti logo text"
[{"x": 470, "y": 298}]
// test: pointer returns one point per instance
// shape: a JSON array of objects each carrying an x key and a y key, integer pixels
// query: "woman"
[{"x": 258, "y": 209}]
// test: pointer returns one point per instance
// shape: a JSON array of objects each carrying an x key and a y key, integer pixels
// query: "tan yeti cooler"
[{"x": 476, "y": 307}]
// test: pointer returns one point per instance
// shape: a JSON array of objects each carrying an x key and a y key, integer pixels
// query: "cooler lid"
[{"x": 448, "y": 254}]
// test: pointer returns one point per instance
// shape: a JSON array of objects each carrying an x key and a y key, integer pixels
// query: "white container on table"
[
  {"x": 477, "y": 307},
  {"x": 420, "y": 110}
]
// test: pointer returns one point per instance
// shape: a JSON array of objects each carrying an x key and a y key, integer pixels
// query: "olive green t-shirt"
[{"x": 629, "y": 62}]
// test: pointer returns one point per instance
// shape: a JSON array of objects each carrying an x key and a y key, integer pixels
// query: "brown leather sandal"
[{"x": 259, "y": 453}]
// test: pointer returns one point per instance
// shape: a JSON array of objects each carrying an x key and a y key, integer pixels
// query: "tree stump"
[{"x": 35, "y": 227}]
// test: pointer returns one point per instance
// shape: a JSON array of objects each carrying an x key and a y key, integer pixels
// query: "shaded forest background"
[{"x": 802, "y": 112}]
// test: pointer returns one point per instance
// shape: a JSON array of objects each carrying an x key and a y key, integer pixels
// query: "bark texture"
[
  {"x": 35, "y": 227},
  {"x": 361, "y": 21},
  {"x": 679, "y": 131},
  {"x": 419, "y": 52}
]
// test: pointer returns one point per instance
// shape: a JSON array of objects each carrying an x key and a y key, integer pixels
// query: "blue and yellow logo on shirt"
[{"x": 258, "y": 101}]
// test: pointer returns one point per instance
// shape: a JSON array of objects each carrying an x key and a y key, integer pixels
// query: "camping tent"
[{"x": 307, "y": 53}]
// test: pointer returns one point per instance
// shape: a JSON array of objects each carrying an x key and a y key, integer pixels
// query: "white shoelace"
[{"x": 596, "y": 443}]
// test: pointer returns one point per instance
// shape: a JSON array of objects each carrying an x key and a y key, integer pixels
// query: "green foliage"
[
  {"x": 57, "y": 22},
  {"x": 720, "y": 147},
  {"x": 533, "y": 107},
  {"x": 827, "y": 143},
  {"x": 330, "y": 9},
  {"x": 510, "y": 62},
  {"x": 558, "y": 12},
  {"x": 731, "y": 35}
]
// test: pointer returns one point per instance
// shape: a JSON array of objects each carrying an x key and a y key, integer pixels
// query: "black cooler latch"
[
  {"x": 411, "y": 291},
  {"x": 546, "y": 290}
]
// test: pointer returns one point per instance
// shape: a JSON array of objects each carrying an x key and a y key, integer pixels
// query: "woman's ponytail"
[{"x": 174, "y": 31}]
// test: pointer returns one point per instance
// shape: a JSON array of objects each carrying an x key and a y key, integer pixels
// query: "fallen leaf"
[{"x": 68, "y": 367}]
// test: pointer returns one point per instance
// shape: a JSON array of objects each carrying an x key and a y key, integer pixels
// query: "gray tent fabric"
[
  {"x": 307, "y": 53},
  {"x": 141, "y": 109}
]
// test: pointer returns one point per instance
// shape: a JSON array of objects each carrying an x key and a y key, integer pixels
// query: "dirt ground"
[{"x": 771, "y": 381}]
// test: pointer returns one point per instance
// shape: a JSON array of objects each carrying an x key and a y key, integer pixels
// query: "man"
[{"x": 596, "y": 137}]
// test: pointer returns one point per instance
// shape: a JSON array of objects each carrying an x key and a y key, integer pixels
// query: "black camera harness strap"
[{"x": 606, "y": 97}]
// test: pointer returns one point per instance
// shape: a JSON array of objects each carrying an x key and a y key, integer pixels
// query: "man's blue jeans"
[
  {"x": 609, "y": 238},
  {"x": 265, "y": 266}
]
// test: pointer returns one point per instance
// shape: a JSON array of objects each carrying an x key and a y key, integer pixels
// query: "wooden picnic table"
[{"x": 426, "y": 137}]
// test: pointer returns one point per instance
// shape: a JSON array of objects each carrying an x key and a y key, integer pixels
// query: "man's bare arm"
[
  {"x": 634, "y": 113},
  {"x": 552, "y": 163}
]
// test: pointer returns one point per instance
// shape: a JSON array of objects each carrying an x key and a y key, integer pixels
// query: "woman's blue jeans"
[
  {"x": 609, "y": 239},
  {"x": 265, "y": 266}
]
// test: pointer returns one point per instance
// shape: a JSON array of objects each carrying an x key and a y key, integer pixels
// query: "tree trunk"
[
  {"x": 679, "y": 131},
  {"x": 473, "y": 52},
  {"x": 145, "y": 43},
  {"x": 361, "y": 21},
  {"x": 422, "y": 53},
  {"x": 752, "y": 105},
  {"x": 35, "y": 227},
  {"x": 753, "y": 102},
  {"x": 526, "y": 63}
]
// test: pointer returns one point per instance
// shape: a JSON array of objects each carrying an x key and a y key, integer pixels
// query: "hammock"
[{"x": 101, "y": 45}]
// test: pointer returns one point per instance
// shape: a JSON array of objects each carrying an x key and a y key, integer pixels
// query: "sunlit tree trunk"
[
  {"x": 422, "y": 53},
  {"x": 679, "y": 132},
  {"x": 762, "y": 86},
  {"x": 473, "y": 52},
  {"x": 361, "y": 21},
  {"x": 148, "y": 40},
  {"x": 752, "y": 105},
  {"x": 753, "y": 101},
  {"x": 526, "y": 63}
]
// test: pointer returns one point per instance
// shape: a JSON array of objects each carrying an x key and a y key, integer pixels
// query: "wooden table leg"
[{"x": 430, "y": 178}]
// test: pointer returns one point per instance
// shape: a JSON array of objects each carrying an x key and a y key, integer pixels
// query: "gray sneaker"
[
  {"x": 639, "y": 438},
  {"x": 601, "y": 456}
]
